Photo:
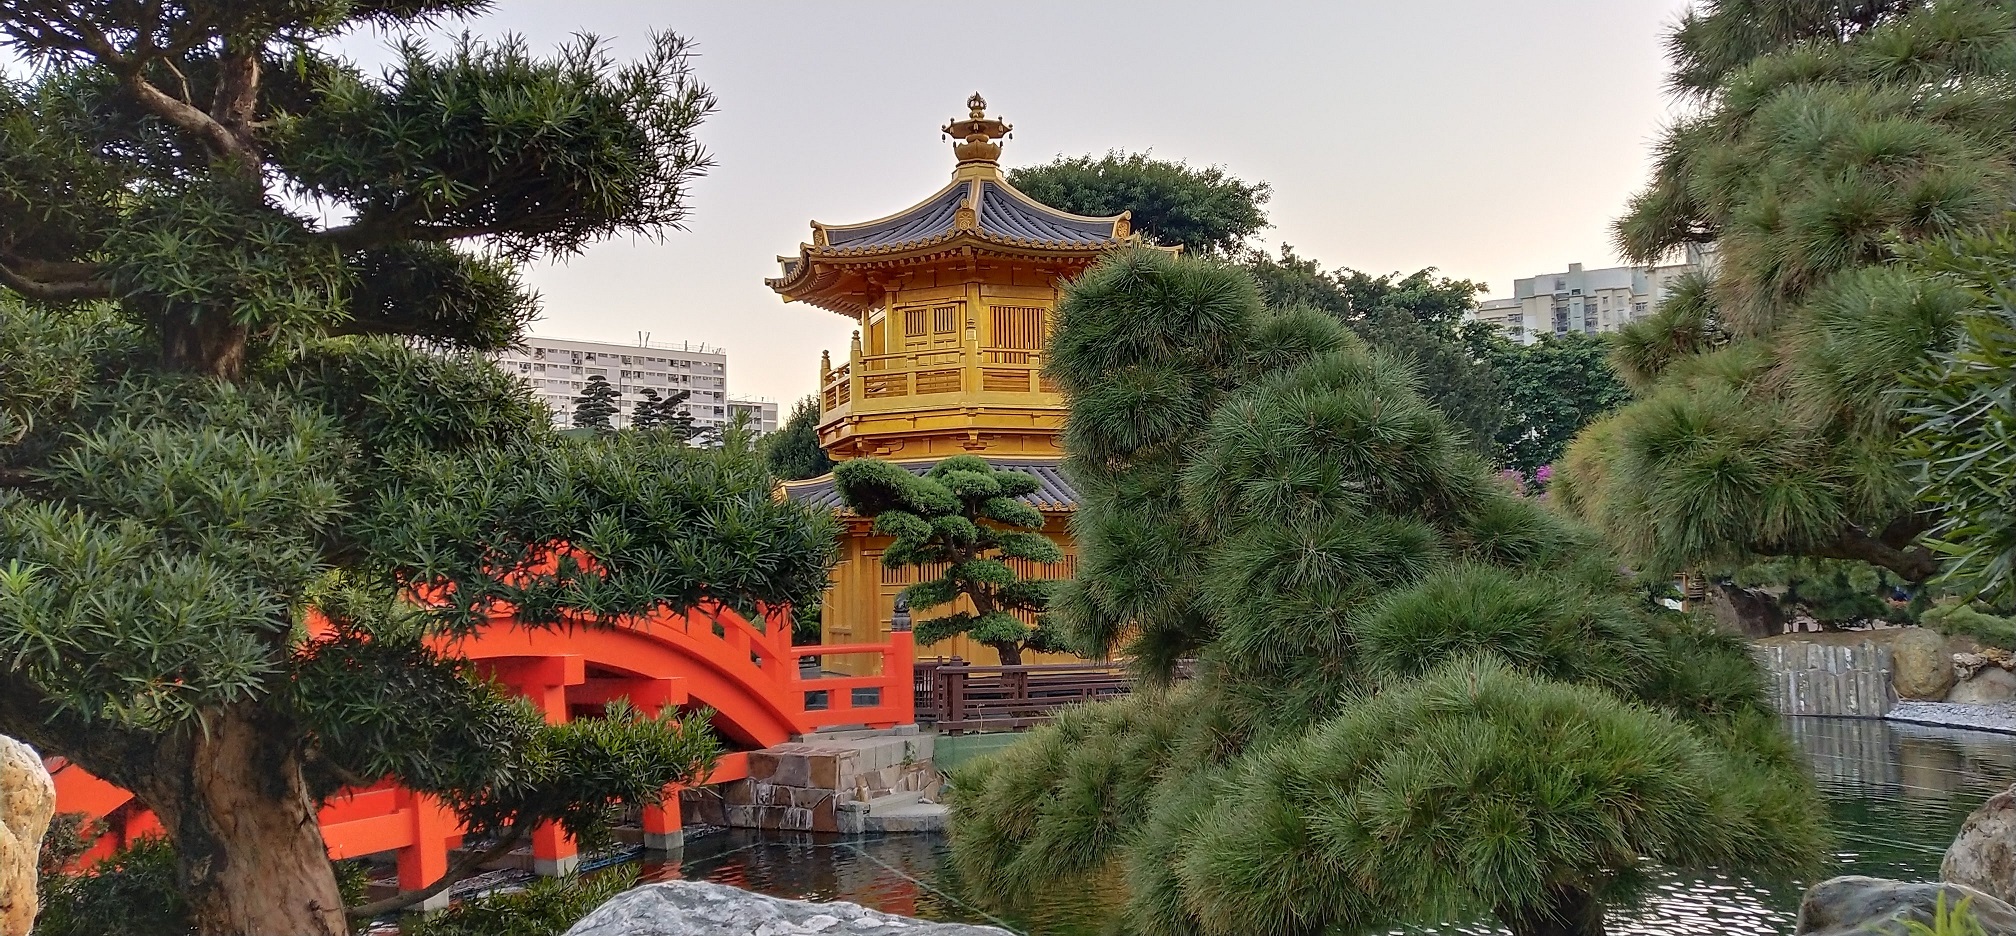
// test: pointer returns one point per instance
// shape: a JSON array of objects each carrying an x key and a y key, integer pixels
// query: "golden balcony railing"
[{"x": 910, "y": 379}]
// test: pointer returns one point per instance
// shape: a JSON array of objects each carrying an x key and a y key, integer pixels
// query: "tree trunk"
[
  {"x": 1566, "y": 912},
  {"x": 211, "y": 345},
  {"x": 1011, "y": 653},
  {"x": 232, "y": 798}
]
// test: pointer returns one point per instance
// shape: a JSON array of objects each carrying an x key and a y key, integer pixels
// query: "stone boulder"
[
  {"x": 1983, "y": 855},
  {"x": 1921, "y": 666},
  {"x": 1990, "y": 685},
  {"x": 27, "y": 800},
  {"x": 697, "y": 908},
  {"x": 1866, "y": 906}
]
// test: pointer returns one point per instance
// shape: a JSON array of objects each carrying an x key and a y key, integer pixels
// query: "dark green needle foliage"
[
  {"x": 1835, "y": 145},
  {"x": 220, "y": 415},
  {"x": 961, "y": 516},
  {"x": 1418, "y": 698},
  {"x": 596, "y": 405}
]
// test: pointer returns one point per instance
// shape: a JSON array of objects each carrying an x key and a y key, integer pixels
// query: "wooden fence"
[{"x": 960, "y": 697}]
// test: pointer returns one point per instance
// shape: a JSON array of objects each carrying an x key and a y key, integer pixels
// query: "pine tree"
[
  {"x": 217, "y": 415},
  {"x": 597, "y": 404},
  {"x": 656, "y": 412},
  {"x": 961, "y": 515},
  {"x": 1418, "y": 697},
  {"x": 1833, "y": 143}
]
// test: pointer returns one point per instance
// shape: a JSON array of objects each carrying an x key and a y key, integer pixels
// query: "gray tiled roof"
[
  {"x": 1003, "y": 213},
  {"x": 1053, "y": 490}
]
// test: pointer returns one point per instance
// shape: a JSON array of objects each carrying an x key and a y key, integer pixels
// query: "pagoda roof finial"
[{"x": 974, "y": 137}]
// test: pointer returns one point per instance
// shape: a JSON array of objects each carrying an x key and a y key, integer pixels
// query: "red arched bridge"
[{"x": 712, "y": 657}]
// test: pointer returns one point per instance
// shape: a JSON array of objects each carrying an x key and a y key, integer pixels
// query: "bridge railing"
[{"x": 960, "y": 697}]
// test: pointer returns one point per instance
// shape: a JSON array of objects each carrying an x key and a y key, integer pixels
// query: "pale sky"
[{"x": 1490, "y": 139}]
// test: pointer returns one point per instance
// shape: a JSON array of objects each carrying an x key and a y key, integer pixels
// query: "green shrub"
[{"x": 546, "y": 907}]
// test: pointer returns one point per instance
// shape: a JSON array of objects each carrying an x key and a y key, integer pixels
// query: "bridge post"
[
  {"x": 662, "y": 830},
  {"x": 425, "y": 860},
  {"x": 553, "y": 851}
]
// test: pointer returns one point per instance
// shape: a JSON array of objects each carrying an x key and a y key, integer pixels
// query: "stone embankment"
[
  {"x": 698, "y": 908},
  {"x": 880, "y": 781},
  {"x": 1908, "y": 674}
]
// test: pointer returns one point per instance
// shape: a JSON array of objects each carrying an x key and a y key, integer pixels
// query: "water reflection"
[{"x": 1897, "y": 793}]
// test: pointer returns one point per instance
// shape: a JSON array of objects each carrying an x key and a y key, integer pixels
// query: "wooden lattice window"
[
  {"x": 914, "y": 321},
  {"x": 944, "y": 319},
  {"x": 1018, "y": 327}
]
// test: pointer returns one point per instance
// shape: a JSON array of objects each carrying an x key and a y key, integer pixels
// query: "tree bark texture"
[
  {"x": 1566, "y": 912},
  {"x": 232, "y": 797}
]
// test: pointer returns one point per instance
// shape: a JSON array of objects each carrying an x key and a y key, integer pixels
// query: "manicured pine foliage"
[
  {"x": 218, "y": 415},
  {"x": 1418, "y": 697},
  {"x": 663, "y": 412},
  {"x": 596, "y": 406},
  {"x": 961, "y": 515},
  {"x": 1833, "y": 144}
]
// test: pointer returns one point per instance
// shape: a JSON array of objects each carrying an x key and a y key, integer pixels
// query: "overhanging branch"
[
  {"x": 54, "y": 291},
  {"x": 468, "y": 865}
]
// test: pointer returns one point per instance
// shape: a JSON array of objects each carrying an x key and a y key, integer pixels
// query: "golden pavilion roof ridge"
[{"x": 977, "y": 212}]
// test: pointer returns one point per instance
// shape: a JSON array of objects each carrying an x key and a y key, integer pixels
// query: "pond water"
[{"x": 1897, "y": 793}]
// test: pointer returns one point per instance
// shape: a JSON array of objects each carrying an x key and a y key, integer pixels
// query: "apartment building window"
[{"x": 1639, "y": 308}]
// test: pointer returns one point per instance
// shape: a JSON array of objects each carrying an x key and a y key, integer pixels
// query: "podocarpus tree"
[
  {"x": 1418, "y": 697},
  {"x": 225, "y": 417},
  {"x": 961, "y": 515},
  {"x": 1836, "y": 143}
]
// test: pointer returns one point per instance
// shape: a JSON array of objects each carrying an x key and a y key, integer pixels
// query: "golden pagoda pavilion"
[{"x": 955, "y": 297}]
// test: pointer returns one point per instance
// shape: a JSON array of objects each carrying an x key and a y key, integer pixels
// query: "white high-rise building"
[
  {"x": 1586, "y": 301},
  {"x": 762, "y": 414},
  {"x": 557, "y": 369}
]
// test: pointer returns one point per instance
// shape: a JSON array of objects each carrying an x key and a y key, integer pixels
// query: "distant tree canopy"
[
  {"x": 793, "y": 452},
  {"x": 1418, "y": 698},
  {"x": 1836, "y": 146},
  {"x": 1549, "y": 391},
  {"x": 1204, "y": 210},
  {"x": 1416, "y": 318}
]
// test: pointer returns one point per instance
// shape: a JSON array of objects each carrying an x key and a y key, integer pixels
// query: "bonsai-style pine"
[
  {"x": 596, "y": 406},
  {"x": 234, "y": 438},
  {"x": 664, "y": 412},
  {"x": 962, "y": 516},
  {"x": 1419, "y": 698}
]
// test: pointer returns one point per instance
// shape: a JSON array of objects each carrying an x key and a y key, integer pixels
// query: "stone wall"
[
  {"x": 816, "y": 785},
  {"x": 1829, "y": 679}
]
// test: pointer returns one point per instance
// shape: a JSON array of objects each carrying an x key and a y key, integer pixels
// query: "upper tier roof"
[{"x": 978, "y": 210}]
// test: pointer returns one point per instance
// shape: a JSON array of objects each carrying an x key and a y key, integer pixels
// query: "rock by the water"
[
  {"x": 27, "y": 800},
  {"x": 1862, "y": 906},
  {"x": 698, "y": 908},
  {"x": 1991, "y": 684},
  {"x": 1921, "y": 667},
  {"x": 1983, "y": 855}
]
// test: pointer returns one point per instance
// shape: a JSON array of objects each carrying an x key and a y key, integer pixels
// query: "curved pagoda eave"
[{"x": 820, "y": 276}]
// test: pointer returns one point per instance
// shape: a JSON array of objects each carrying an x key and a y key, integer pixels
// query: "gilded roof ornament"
[{"x": 976, "y": 134}]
